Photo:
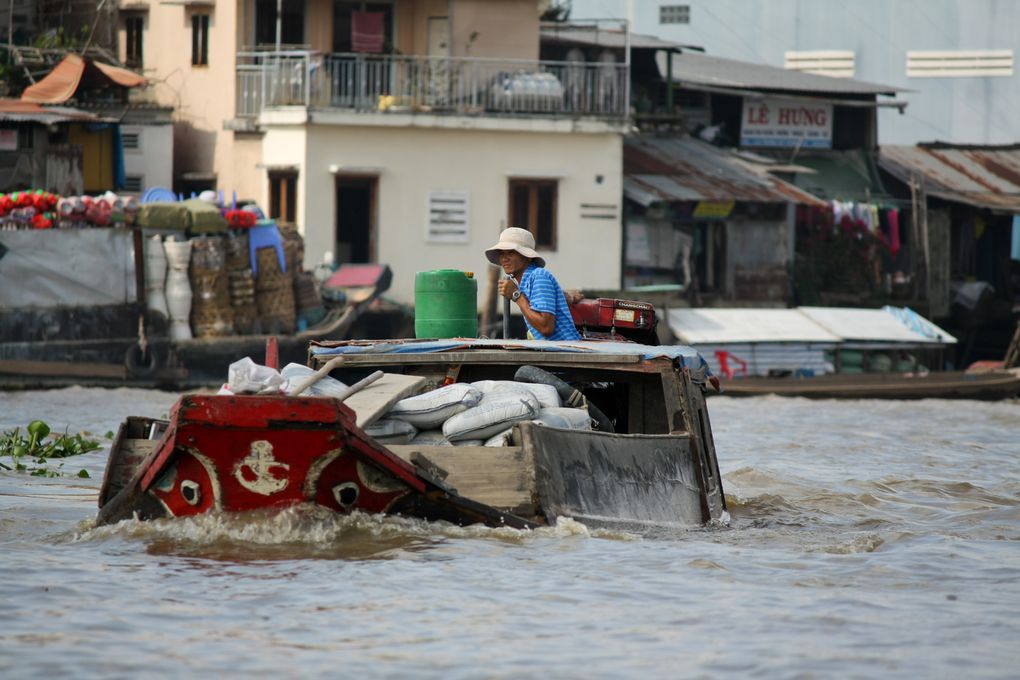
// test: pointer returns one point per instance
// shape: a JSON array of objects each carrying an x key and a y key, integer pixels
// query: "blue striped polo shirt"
[{"x": 545, "y": 295}]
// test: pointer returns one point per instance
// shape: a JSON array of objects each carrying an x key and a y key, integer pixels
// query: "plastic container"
[
  {"x": 445, "y": 304},
  {"x": 155, "y": 275}
]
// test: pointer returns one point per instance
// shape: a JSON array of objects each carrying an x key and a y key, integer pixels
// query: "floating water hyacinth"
[{"x": 33, "y": 446}]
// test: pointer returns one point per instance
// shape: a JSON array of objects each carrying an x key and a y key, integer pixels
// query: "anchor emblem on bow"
[{"x": 260, "y": 472}]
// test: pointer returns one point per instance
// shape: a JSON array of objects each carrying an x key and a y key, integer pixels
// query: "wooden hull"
[
  {"x": 990, "y": 385},
  {"x": 653, "y": 464},
  {"x": 232, "y": 454}
]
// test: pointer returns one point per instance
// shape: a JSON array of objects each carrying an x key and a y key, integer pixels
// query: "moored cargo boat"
[{"x": 648, "y": 461}]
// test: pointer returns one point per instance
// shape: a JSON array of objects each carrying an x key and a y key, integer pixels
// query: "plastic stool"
[{"x": 263, "y": 236}]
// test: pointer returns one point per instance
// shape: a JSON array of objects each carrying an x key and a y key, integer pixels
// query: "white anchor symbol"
[{"x": 260, "y": 472}]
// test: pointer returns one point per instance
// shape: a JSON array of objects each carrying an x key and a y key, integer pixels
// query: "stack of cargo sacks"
[{"x": 475, "y": 414}]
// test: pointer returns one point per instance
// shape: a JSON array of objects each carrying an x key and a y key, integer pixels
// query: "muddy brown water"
[{"x": 867, "y": 539}]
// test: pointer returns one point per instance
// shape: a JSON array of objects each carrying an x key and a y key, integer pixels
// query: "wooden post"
[
  {"x": 1012, "y": 357},
  {"x": 489, "y": 301},
  {"x": 272, "y": 353}
]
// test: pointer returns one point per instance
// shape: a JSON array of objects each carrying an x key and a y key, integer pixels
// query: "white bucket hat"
[{"x": 517, "y": 239}]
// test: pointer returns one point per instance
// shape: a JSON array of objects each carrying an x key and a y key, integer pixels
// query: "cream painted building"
[{"x": 384, "y": 139}]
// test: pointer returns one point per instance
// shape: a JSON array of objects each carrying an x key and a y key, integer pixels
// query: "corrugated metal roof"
[
  {"x": 888, "y": 324},
  {"x": 986, "y": 177},
  {"x": 685, "y": 169},
  {"x": 17, "y": 111},
  {"x": 835, "y": 325},
  {"x": 601, "y": 37},
  {"x": 720, "y": 325},
  {"x": 701, "y": 69}
]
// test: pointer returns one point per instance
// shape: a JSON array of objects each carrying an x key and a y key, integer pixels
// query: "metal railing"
[{"x": 464, "y": 86}]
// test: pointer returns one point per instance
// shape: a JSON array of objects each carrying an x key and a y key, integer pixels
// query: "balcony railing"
[{"x": 464, "y": 86}]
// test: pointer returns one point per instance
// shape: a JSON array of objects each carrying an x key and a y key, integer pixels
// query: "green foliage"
[
  {"x": 558, "y": 10},
  {"x": 39, "y": 450}
]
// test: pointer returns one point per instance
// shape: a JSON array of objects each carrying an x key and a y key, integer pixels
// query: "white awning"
[{"x": 831, "y": 325}]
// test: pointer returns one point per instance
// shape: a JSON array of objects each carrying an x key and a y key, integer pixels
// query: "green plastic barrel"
[{"x": 445, "y": 304}]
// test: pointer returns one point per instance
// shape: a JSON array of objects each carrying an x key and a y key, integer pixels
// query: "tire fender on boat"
[{"x": 140, "y": 362}]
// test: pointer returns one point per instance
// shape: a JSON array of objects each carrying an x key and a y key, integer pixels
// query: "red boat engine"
[{"x": 609, "y": 319}]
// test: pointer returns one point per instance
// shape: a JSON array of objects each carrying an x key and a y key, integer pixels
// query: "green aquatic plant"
[{"x": 34, "y": 446}]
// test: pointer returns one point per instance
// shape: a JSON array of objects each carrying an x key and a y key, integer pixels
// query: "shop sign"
[
  {"x": 8, "y": 140},
  {"x": 786, "y": 122},
  {"x": 713, "y": 209}
]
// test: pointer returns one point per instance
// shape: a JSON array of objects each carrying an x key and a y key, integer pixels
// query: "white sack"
[
  {"x": 430, "y": 438},
  {"x": 493, "y": 414},
  {"x": 429, "y": 410},
  {"x": 547, "y": 395},
  {"x": 566, "y": 418},
  {"x": 325, "y": 387},
  {"x": 500, "y": 438},
  {"x": 246, "y": 377},
  {"x": 391, "y": 431}
]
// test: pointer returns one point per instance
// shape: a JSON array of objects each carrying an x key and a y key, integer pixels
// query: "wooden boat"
[
  {"x": 102, "y": 346},
  {"x": 990, "y": 385},
  {"x": 836, "y": 353},
  {"x": 235, "y": 453}
]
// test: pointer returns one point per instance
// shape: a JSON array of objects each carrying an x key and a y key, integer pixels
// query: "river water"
[{"x": 868, "y": 539}]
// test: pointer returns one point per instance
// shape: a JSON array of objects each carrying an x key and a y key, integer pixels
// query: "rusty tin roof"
[
  {"x": 981, "y": 176},
  {"x": 671, "y": 169}
]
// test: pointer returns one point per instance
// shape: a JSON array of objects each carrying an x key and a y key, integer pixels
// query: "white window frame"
[
  {"x": 447, "y": 216},
  {"x": 959, "y": 63}
]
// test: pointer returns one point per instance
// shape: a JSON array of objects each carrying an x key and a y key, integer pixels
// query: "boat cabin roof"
[{"x": 618, "y": 355}]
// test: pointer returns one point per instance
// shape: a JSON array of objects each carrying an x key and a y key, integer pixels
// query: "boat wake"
[{"x": 310, "y": 531}]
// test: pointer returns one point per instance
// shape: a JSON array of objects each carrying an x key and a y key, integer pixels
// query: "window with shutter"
[{"x": 448, "y": 213}]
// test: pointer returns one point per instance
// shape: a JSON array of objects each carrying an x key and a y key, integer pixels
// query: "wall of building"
[
  {"x": 411, "y": 162},
  {"x": 203, "y": 97},
  {"x": 151, "y": 160},
  {"x": 499, "y": 29},
  {"x": 966, "y": 109}
]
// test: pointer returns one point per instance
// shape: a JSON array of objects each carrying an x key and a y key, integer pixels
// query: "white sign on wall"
[{"x": 786, "y": 122}]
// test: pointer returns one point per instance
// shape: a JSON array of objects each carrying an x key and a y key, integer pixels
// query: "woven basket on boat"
[
  {"x": 211, "y": 312},
  {"x": 306, "y": 295},
  {"x": 208, "y": 254},
  {"x": 237, "y": 252},
  {"x": 294, "y": 251},
  {"x": 241, "y": 284},
  {"x": 269, "y": 276},
  {"x": 276, "y": 310}
]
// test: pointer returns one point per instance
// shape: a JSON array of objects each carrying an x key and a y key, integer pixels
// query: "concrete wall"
[
  {"x": 152, "y": 159},
  {"x": 410, "y": 162},
  {"x": 499, "y": 29},
  {"x": 973, "y": 110}
]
